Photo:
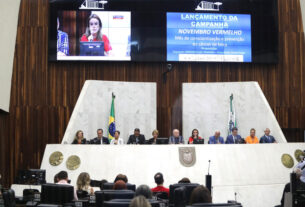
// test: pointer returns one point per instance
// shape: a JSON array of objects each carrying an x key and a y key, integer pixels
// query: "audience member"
[
  {"x": 267, "y": 138},
  {"x": 144, "y": 190},
  {"x": 62, "y": 178},
  {"x": 121, "y": 177},
  {"x": 184, "y": 180},
  {"x": 252, "y": 139},
  {"x": 200, "y": 195},
  {"x": 83, "y": 183},
  {"x": 195, "y": 136},
  {"x": 119, "y": 185},
  {"x": 55, "y": 178},
  {"x": 176, "y": 138},
  {"x": 136, "y": 138},
  {"x": 99, "y": 139},
  {"x": 159, "y": 181},
  {"x": 139, "y": 201},
  {"x": 79, "y": 138},
  {"x": 216, "y": 139}
]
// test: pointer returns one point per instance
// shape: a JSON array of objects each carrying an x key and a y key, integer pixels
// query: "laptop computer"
[
  {"x": 91, "y": 48},
  {"x": 198, "y": 141}
]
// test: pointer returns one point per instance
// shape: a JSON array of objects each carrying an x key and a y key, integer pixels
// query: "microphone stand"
[{"x": 208, "y": 179}]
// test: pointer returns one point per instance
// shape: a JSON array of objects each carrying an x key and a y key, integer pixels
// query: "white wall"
[
  {"x": 9, "y": 11},
  {"x": 303, "y": 13},
  {"x": 206, "y": 107},
  {"x": 254, "y": 172},
  {"x": 135, "y": 107}
]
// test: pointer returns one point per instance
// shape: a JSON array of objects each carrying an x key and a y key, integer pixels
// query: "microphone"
[
  {"x": 208, "y": 179},
  {"x": 235, "y": 197}
]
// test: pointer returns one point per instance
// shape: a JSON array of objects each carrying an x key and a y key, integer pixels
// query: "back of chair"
[
  {"x": 116, "y": 203},
  {"x": 161, "y": 195},
  {"x": 109, "y": 186},
  {"x": 106, "y": 195},
  {"x": 189, "y": 187},
  {"x": 180, "y": 197},
  {"x": 81, "y": 194},
  {"x": 57, "y": 193},
  {"x": 9, "y": 198}
]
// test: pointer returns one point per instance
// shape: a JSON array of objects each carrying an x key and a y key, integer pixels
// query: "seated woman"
[
  {"x": 195, "y": 136},
  {"x": 79, "y": 138},
  {"x": 94, "y": 33},
  {"x": 83, "y": 183},
  {"x": 117, "y": 140},
  {"x": 155, "y": 135},
  {"x": 200, "y": 195}
]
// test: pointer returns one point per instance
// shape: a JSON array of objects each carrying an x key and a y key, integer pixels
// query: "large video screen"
[
  {"x": 164, "y": 31},
  {"x": 95, "y": 35},
  {"x": 211, "y": 37}
]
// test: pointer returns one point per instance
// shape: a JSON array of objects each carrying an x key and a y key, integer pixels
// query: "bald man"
[
  {"x": 216, "y": 139},
  {"x": 176, "y": 138},
  {"x": 267, "y": 138}
]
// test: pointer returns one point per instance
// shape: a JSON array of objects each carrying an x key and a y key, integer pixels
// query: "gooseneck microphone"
[{"x": 208, "y": 179}]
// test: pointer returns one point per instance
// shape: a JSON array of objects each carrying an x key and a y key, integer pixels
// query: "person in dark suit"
[
  {"x": 136, "y": 138},
  {"x": 79, "y": 138},
  {"x": 267, "y": 138},
  {"x": 99, "y": 139},
  {"x": 234, "y": 138},
  {"x": 155, "y": 135}
]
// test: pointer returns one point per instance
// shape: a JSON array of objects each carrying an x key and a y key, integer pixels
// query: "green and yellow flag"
[{"x": 111, "y": 125}]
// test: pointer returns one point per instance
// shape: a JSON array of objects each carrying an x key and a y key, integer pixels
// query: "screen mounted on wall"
[{"x": 164, "y": 31}]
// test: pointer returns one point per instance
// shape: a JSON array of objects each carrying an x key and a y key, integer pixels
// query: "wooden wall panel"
[{"x": 44, "y": 94}]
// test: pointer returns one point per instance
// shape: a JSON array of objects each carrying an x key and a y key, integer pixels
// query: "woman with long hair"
[
  {"x": 83, "y": 183},
  {"x": 94, "y": 33},
  {"x": 195, "y": 135},
  {"x": 79, "y": 138}
]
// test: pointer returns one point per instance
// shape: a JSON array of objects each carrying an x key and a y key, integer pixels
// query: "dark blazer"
[
  {"x": 151, "y": 141},
  {"x": 96, "y": 140},
  {"x": 264, "y": 139},
  {"x": 230, "y": 139},
  {"x": 84, "y": 141},
  {"x": 133, "y": 140}
]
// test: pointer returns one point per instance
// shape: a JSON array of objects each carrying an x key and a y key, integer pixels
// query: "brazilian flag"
[{"x": 111, "y": 125}]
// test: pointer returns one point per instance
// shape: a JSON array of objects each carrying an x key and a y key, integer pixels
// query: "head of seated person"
[
  {"x": 62, "y": 177},
  {"x": 145, "y": 191},
  {"x": 56, "y": 178},
  {"x": 119, "y": 185},
  {"x": 121, "y": 177},
  {"x": 83, "y": 183},
  {"x": 139, "y": 201},
  {"x": 184, "y": 180},
  {"x": 200, "y": 195}
]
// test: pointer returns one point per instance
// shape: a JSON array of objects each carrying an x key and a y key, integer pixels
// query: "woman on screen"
[
  {"x": 79, "y": 138},
  {"x": 194, "y": 137},
  {"x": 94, "y": 33}
]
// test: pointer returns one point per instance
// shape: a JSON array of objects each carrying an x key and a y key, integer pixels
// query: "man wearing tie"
[
  {"x": 267, "y": 138},
  {"x": 216, "y": 139},
  {"x": 99, "y": 139},
  {"x": 234, "y": 138},
  {"x": 136, "y": 138}
]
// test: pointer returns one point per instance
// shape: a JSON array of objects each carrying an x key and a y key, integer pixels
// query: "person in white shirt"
[{"x": 117, "y": 140}]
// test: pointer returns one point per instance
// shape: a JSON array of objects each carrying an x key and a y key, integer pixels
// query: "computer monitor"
[
  {"x": 31, "y": 177},
  {"x": 92, "y": 48},
  {"x": 198, "y": 141},
  {"x": 162, "y": 141}
]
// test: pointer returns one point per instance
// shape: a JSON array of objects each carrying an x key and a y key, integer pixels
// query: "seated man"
[
  {"x": 159, "y": 181},
  {"x": 252, "y": 139},
  {"x": 99, "y": 139},
  {"x": 136, "y": 138},
  {"x": 176, "y": 138},
  {"x": 62, "y": 179},
  {"x": 267, "y": 138},
  {"x": 234, "y": 138},
  {"x": 216, "y": 139}
]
